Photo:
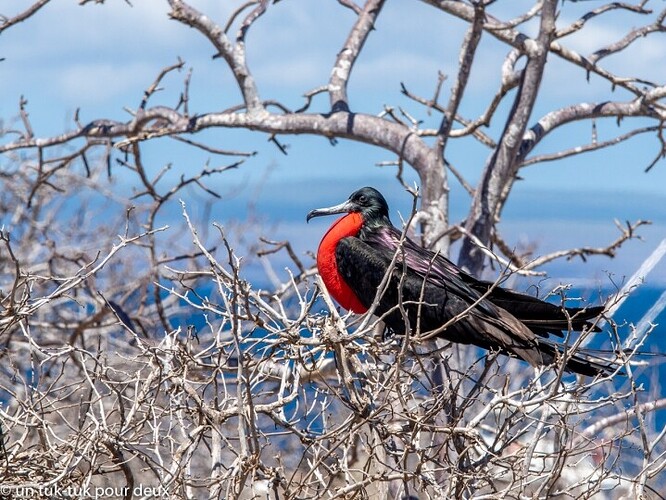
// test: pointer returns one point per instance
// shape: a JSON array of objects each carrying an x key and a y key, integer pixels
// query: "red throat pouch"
[{"x": 349, "y": 225}]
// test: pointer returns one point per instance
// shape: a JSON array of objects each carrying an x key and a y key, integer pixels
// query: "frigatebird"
[{"x": 434, "y": 294}]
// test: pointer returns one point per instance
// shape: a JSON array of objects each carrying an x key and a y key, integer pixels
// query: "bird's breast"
[{"x": 346, "y": 226}]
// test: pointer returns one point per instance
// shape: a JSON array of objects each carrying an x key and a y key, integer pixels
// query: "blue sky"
[{"x": 101, "y": 57}]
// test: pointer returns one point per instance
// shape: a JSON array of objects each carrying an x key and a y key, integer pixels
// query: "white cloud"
[
  {"x": 303, "y": 73},
  {"x": 92, "y": 83},
  {"x": 388, "y": 69}
]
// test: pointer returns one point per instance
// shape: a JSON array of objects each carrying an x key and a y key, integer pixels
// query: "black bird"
[{"x": 358, "y": 249}]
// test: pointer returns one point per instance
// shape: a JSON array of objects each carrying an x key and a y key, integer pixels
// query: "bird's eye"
[{"x": 362, "y": 199}]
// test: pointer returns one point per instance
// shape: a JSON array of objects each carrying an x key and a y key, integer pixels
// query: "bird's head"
[{"x": 367, "y": 201}]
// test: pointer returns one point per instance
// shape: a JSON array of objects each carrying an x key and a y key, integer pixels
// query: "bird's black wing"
[
  {"x": 542, "y": 317},
  {"x": 428, "y": 306},
  {"x": 433, "y": 267}
]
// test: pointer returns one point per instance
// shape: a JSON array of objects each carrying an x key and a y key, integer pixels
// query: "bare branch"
[
  {"x": 233, "y": 55},
  {"x": 279, "y": 245},
  {"x": 211, "y": 149},
  {"x": 256, "y": 13},
  {"x": 499, "y": 172},
  {"x": 309, "y": 96},
  {"x": 155, "y": 85},
  {"x": 337, "y": 85},
  {"x": 593, "y": 146},
  {"x": 160, "y": 121},
  {"x": 350, "y": 4},
  {"x": 237, "y": 12},
  {"x": 467, "y": 53},
  {"x": 527, "y": 46},
  {"x": 614, "y": 48},
  {"x": 582, "y": 21},
  {"x": 8, "y": 22},
  {"x": 470, "y": 127},
  {"x": 627, "y": 233},
  {"x": 29, "y": 134}
]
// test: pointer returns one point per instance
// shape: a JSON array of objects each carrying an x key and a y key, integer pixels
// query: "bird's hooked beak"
[{"x": 345, "y": 207}]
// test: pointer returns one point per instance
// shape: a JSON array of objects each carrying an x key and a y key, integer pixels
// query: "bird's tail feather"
[
  {"x": 544, "y": 318},
  {"x": 583, "y": 361}
]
